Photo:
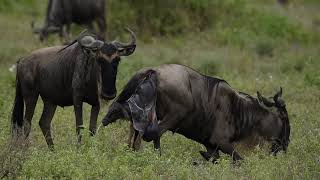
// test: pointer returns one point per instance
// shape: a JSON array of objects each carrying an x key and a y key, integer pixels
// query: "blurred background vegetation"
[{"x": 253, "y": 44}]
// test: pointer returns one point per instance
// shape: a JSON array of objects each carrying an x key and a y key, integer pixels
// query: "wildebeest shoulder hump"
[{"x": 132, "y": 85}]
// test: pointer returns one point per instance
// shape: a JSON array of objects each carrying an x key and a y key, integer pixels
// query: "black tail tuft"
[{"x": 18, "y": 107}]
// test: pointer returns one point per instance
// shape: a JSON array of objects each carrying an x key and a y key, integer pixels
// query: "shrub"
[
  {"x": 265, "y": 47},
  {"x": 312, "y": 79},
  {"x": 12, "y": 156},
  {"x": 166, "y": 17}
]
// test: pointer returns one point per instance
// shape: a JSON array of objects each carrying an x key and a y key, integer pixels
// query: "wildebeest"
[
  {"x": 69, "y": 75},
  {"x": 202, "y": 108},
  {"x": 283, "y": 2},
  {"x": 62, "y": 13}
]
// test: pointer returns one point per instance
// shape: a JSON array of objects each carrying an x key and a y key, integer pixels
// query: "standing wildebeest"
[
  {"x": 202, "y": 108},
  {"x": 62, "y": 13},
  {"x": 65, "y": 76}
]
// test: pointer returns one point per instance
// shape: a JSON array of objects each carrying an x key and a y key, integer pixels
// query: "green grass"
[{"x": 243, "y": 47}]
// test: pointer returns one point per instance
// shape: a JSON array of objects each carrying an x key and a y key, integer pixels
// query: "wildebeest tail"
[
  {"x": 18, "y": 107},
  {"x": 133, "y": 83}
]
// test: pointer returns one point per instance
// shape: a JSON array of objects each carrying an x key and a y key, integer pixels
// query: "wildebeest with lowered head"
[
  {"x": 62, "y": 13},
  {"x": 69, "y": 75},
  {"x": 202, "y": 108}
]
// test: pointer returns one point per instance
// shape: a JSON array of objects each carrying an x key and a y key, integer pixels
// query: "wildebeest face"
[
  {"x": 116, "y": 111},
  {"x": 109, "y": 76},
  {"x": 110, "y": 54},
  {"x": 45, "y": 31},
  {"x": 277, "y": 107},
  {"x": 140, "y": 109}
]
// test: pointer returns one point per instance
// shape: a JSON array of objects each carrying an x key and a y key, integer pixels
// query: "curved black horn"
[
  {"x": 264, "y": 100},
  {"x": 279, "y": 94},
  {"x": 133, "y": 40}
]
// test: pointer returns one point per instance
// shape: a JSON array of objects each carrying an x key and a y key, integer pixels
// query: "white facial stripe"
[
  {"x": 105, "y": 57},
  {"x": 109, "y": 59},
  {"x": 114, "y": 55}
]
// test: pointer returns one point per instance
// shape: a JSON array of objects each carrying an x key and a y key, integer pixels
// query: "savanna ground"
[{"x": 252, "y": 44}]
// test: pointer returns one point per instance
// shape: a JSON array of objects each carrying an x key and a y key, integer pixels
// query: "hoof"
[{"x": 205, "y": 155}]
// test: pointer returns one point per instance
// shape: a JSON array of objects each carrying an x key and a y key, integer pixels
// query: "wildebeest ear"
[
  {"x": 264, "y": 100},
  {"x": 90, "y": 43}
]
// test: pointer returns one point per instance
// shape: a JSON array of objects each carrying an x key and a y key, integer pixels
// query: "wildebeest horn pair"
[
  {"x": 276, "y": 98},
  {"x": 86, "y": 40},
  {"x": 133, "y": 40}
]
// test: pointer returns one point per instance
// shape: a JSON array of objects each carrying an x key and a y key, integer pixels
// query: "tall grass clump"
[
  {"x": 166, "y": 17},
  {"x": 250, "y": 25},
  {"x": 21, "y": 6},
  {"x": 12, "y": 156}
]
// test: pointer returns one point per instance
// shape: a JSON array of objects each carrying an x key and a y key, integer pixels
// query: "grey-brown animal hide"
[
  {"x": 207, "y": 110},
  {"x": 62, "y": 13},
  {"x": 67, "y": 75}
]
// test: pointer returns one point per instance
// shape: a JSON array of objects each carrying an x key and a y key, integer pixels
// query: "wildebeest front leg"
[
  {"x": 45, "y": 122},
  {"x": 228, "y": 149},
  {"x": 93, "y": 119},
  {"x": 78, "y": 113},
  {"x": 134, "y": 140},
  {"x": 156, "y": 145},
  {"x": 212, "y": 153}
]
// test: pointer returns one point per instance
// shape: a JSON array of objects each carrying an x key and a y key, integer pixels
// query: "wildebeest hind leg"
[
  {"x": 90, "y": 28},
  {"x": 93, "y": 119},
  {"x": 31, "y": 103},
  {"x": 45, "y": 122},
  {"x": 79, "y": 121},
  {"x": 102, "y": 28}
]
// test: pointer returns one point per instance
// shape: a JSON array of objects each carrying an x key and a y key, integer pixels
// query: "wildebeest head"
[
  {"x": 116, "y": 111},
  {"x": 278, "y": 122},
  {"x": 108, "y": 56},
  {"x": 109, "y": 60},
  {"x": 139, "y": 108},
  {"x": 45, "y": 31}
]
